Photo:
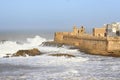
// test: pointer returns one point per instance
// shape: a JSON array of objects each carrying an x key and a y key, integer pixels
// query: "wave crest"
[{"x": 9, "y": 47}]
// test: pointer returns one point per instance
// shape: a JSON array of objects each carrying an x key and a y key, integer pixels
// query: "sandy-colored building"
[
  {"x": 78, "y": 31},
  {"x": 99, "y": 32},
  {"x": 98, "y": 43}
]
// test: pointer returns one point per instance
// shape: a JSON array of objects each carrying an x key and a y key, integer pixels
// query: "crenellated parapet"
[{"x": 98, "y": 43}]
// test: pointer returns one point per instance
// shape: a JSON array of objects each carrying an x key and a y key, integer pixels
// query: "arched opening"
[{"x": 78, "y": 31}]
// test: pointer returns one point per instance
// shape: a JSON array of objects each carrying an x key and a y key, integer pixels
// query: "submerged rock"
[
  {"x": 30, "y": 52},
  {"x": 3, "y": 41},
  {"x": 52, "y": 43},
  {"x": 7, "y": 56},
  {"x": 62, "y": 54}
]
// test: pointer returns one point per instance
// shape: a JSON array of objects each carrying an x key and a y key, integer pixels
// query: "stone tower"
[
  {"x": 74, "y": 30},
  {"x": 78, "y": 31}
]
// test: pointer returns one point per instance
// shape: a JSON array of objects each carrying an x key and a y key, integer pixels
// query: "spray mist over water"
[{"x": 9, "y": 47}]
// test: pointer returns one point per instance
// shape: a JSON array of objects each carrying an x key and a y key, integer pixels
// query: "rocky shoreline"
[
  {"x": 87, "y": 51},
  {"x": 103, "y": 53},
  {"x": 35, "y": 51},
  {"x": 24, "y": 53}
]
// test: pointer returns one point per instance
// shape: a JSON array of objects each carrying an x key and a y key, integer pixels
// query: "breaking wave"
[
  {"x": 9, "y": 47},
  {"x": 38, "y": 66}
]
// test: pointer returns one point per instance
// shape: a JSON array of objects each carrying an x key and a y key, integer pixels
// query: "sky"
[{"x": 57, "y": 14}]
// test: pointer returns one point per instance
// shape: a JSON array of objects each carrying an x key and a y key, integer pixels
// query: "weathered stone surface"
[
  {"x": 56, "y": 44},
  {"x": 115, "y": 53},
  {"x": 7, "y": 56},
  {"x": 52, "y": 43},
  {"x": 97, "y": 52},
  {"x": 30, "y": 52},
  {"x": 97, "y": 44},
  {"x": 62, "y": 54}
]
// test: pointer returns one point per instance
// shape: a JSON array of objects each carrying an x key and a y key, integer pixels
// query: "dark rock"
[
  {"x": 62, "y": 54},
  {"x": 19, "y": 42},
  {"x": 3, "y": 41},
  {"x": 6, "y": 56},
  {"x": 52, "y": 43},
  {"x": 115, "y": 53},
  {"x": 73, "y": 47},
  {"x": 30, "y": 52}
]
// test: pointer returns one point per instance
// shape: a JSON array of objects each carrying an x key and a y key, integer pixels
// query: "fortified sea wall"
[
  {"x": 88, "y": 43},
  {"x": 113, "y": 43}
]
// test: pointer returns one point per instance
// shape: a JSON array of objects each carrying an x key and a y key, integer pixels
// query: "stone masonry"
[{"x": 98, "y": 43}]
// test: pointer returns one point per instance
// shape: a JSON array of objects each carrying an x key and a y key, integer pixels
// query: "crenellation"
[{"x": 101, "y": 42}]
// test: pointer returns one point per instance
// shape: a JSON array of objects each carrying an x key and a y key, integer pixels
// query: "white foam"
[
  {"x": 35, "y": 41},
  {"x": 49, "y": 49},
  {"x": 46, "y": 67},
  {"x": 10, "y": 47},
  {"x": 44, "y": 60}
]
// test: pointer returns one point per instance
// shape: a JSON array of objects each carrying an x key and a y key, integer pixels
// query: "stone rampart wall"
[
  {"x": 113, "y": 43},
  {"x": 88, "y": 42}
]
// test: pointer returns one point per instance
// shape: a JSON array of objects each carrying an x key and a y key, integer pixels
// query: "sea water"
[{"x": 45, "y": 67}]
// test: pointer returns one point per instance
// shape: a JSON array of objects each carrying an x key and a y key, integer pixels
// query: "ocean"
[{"x": 45, "y": 67}]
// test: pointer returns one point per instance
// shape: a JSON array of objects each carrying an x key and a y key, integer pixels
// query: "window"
[
  {"x": 98, "y": 34},
  {"x": 78, "y": 31}
]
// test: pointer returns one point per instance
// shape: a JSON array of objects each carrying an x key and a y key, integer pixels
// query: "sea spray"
[{"x": 10, "y": 47}]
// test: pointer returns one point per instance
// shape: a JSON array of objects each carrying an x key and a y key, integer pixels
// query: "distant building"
[
  {"x": 78, "y": 31},
  {"x": 109, "y": 30},
  {"x": 103, "y": 41},
  {"x": 99, "y": 32},
  {"x": 113, "y": 29}
]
